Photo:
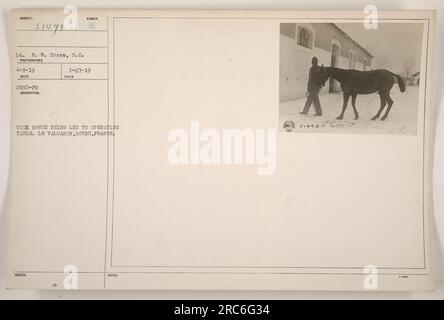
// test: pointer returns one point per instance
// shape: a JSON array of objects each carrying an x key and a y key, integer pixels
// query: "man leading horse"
[{"x": 315, "y": 82}]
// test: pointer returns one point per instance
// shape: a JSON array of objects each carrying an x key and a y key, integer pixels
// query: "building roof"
[{"x": 352, "y": 40}]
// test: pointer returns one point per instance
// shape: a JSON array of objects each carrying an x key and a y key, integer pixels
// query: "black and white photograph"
[{"x": 350, "y": 78}]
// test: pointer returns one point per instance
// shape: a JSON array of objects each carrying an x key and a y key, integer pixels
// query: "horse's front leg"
[{"x": 346, "y": 97}]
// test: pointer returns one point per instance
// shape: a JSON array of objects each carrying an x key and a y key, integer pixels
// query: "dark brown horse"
[{"x": 354, "y": 82}]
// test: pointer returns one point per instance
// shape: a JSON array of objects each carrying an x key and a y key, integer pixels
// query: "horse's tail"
[{"x": 401, "y": 83}]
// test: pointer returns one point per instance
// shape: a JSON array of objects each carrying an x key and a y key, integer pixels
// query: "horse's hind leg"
[
  {"x": 346, "y": 97},
  {"x": 389, "y": 106},
  {"x": 354, "y": 106},
  {"x": 383, "y": 103}
]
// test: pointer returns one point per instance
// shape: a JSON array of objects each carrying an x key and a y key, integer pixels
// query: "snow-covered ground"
[{"x": 402, "y": 118}]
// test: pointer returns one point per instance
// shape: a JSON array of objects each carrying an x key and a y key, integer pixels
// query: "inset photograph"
[{"x": 345, "y": 78}]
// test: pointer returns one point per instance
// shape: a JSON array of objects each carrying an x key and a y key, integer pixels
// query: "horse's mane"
[{"x": 339, "y": 73}]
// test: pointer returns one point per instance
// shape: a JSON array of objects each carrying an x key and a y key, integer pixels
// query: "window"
[{"x": 305, "y": 37}]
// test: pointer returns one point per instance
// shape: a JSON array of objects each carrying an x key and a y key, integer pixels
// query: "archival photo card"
[{"x": 220, "y": 150}]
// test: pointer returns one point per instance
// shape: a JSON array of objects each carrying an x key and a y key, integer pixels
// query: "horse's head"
[{"x": 324, "y": 75}]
